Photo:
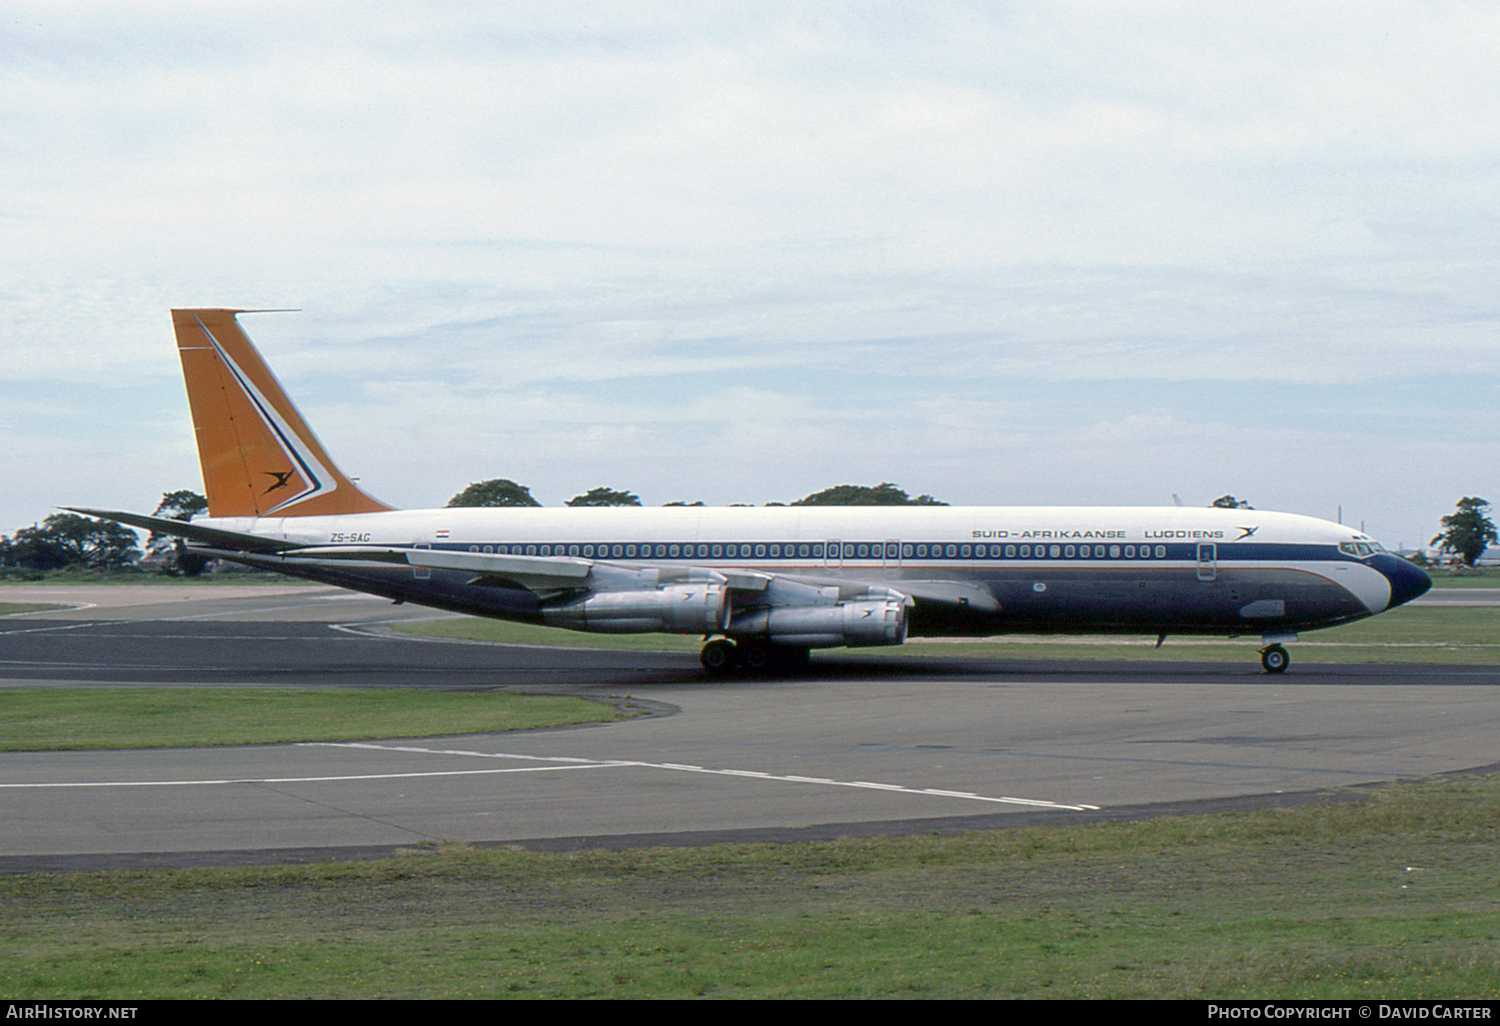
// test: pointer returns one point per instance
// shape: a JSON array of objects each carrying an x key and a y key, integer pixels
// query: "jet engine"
[
  {"x": 854, "y": 623},
  {"x": 678, "y": 609}
]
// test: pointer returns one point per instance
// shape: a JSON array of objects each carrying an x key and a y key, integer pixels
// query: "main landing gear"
[
  {"x": 1275, "y": 659},
  {"x": 721, "y": 657}
]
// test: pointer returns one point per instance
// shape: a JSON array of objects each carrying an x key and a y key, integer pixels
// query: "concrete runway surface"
[{"x": 857, "y": 745}]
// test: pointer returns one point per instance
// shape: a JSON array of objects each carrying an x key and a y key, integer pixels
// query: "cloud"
[{"x": 738, "y": 252}]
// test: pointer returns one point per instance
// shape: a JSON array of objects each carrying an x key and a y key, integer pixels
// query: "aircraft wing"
[
  {"x": 597, "y": 595},
  {"x": 543, "y": 575}
]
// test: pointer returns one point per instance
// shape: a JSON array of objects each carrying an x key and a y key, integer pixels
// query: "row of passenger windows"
[{"x": 817, "y": 550}]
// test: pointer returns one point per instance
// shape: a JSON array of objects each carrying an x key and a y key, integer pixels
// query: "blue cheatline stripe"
[{"x": 1123, "y": 553}]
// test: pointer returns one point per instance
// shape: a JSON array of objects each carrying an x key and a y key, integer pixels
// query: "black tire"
[
  {"x": 755, "y": 657},
  {"x": 1275, "y": 659},
  {"x": 789, "y": 660},
  {"x": 718, "y": 658}
]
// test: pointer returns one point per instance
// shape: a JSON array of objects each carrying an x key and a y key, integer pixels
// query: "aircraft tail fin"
[{"x": 259, "y": 456}]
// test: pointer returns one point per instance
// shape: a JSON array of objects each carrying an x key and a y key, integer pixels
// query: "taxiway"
[{"x": 859, "y": 744}]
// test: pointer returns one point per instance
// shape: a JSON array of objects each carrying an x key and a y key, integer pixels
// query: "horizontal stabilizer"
[{"x": 233, "y": 541}]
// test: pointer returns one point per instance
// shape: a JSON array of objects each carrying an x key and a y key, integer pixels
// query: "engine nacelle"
[
  {"x": 856, "y": 623},
  {"x": 680, "y": 609}
]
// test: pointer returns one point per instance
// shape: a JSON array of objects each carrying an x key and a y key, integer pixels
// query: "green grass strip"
[
  {"x": 1409, "y": 634},
  {"x": 499, "y": 631},
  {"x": 1391, "y": 897},
  {"x": 72, "y": 718},
  {"x": 1482, "y": 577}
]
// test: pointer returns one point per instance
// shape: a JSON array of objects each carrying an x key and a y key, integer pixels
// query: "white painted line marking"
[
  {"x": 301, "y": 780},
  {"x": 59, "y": 627},
  {"x": 549, "y": 762},
  {"x": 752, "y": 774}
]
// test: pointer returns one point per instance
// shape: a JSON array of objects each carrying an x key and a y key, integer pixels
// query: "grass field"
[
  {"x": 1391, "y": 897},
  {"x": 62, "y": 718}
]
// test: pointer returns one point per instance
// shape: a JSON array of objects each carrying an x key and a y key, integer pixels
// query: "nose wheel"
[{"x": 1275, "y": 659}]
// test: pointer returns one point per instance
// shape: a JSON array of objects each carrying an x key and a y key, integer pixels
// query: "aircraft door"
[{"x": 1208, "y": 561}]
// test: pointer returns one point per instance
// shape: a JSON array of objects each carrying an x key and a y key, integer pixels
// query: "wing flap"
[{"x": 951, "y": 593}]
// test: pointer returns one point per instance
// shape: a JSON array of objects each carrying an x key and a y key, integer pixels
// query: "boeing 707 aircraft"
[{"x": 763, "y": 586}]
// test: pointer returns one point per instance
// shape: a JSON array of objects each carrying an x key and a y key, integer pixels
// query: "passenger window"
[
  {"x": 1010, "y": 552},
  {"x": 1161, "y": 552},
  {"x": 1056, "y": 551},
  {"x": 1068, "y": 551}
]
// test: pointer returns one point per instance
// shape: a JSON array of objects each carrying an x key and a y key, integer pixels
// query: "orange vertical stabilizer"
[{"x": 259, "y": 456}]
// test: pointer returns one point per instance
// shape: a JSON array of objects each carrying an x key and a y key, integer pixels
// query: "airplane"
[{"x": 763, "y": 586}]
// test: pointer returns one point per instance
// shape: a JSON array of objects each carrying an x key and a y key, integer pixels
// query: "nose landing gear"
[{"x": 1275, "y": 659}]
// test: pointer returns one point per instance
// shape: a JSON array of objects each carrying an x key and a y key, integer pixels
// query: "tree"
[
  {"x": 1468, "y": 531},
  {"x": 496, "y": 492},
  {"x": 1230, "y": 502},
  {"x": 66, "y": 539},
  {"x": 182, "y": 505},
  {"x": 604, "y": 497},
  {"x": 179, "y": 505},
  {"x": 884, "y": 494},
  {"x": 32, "y": 550}
]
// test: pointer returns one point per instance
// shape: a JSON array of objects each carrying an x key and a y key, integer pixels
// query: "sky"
[{"x": 999, "y": 253}]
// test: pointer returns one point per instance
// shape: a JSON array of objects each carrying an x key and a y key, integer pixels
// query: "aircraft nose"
[{"x": 1407, "y": 581}]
